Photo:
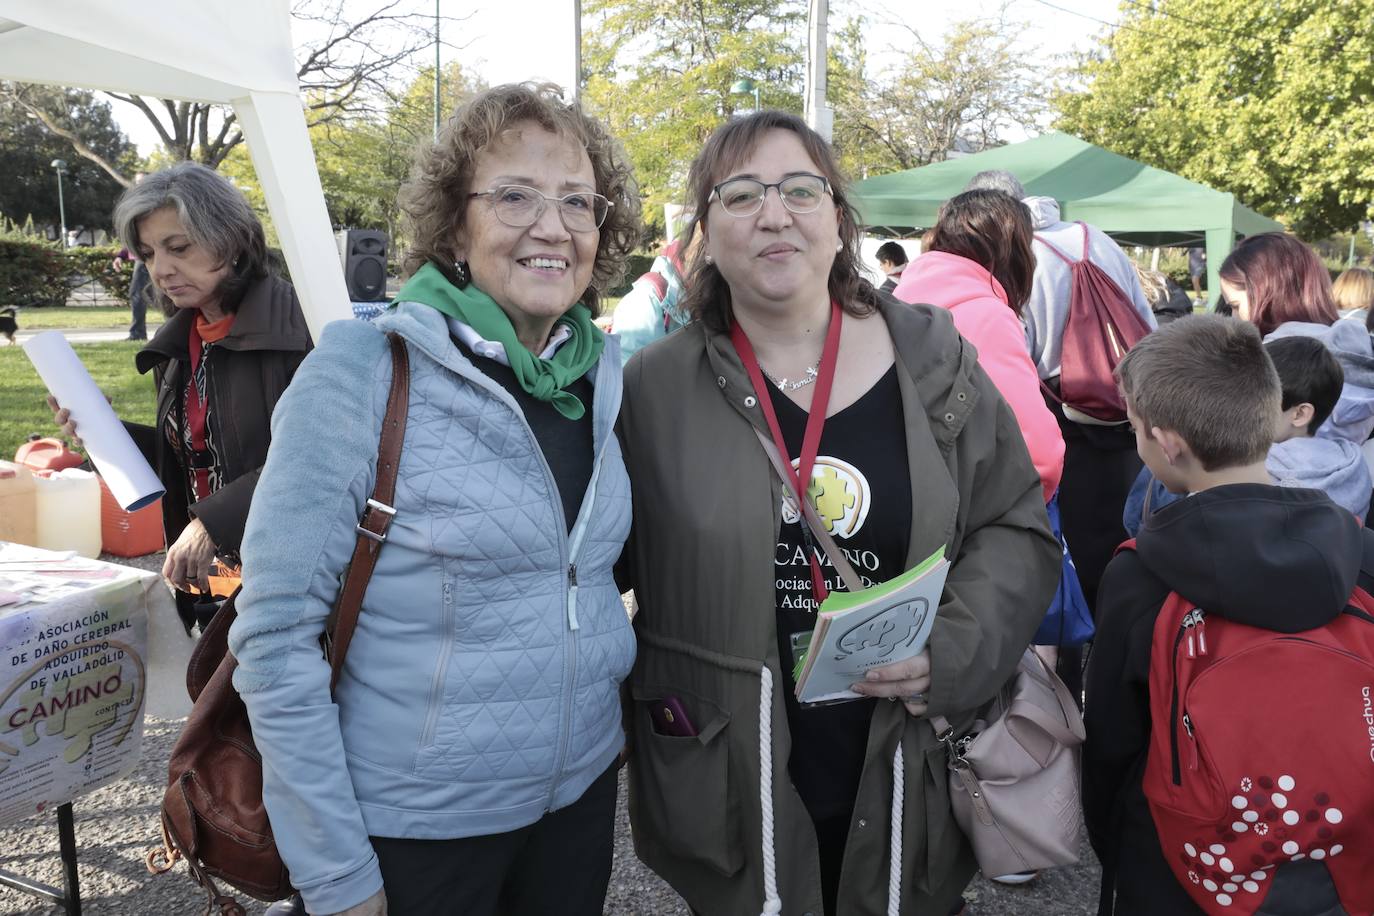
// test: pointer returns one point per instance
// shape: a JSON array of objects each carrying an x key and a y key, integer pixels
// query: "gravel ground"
[{"x": 116, "y": 826}]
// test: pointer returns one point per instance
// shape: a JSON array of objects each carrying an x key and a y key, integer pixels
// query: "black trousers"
[
  {"x": 559, "y": 864},
  {"x": 138, "y": 302},
  {"x": 1100, "y": 464}
]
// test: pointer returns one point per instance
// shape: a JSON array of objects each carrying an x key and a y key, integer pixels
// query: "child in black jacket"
[{"x": 1204, "y": 401}]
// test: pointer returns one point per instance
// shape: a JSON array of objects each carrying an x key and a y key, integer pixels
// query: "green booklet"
[{"x": 857, "y": 631}]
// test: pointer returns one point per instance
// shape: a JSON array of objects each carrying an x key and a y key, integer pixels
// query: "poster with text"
[{"x": 72, "y": 684}]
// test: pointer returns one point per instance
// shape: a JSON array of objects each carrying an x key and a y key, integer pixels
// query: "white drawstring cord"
[
  {"x": 894, "y": 869},
  {"x": 772, "y": 903}
]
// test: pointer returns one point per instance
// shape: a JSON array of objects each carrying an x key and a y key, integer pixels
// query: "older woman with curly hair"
[{"x": 466, "y": 763}]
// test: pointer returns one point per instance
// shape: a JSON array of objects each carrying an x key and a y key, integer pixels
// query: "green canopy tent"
[{"x": 1130, "y": 201}]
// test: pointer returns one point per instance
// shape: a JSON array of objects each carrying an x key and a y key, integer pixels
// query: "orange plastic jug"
[
  {"x": 129, "y": 534},
  {"x": 47, "y": 455}
]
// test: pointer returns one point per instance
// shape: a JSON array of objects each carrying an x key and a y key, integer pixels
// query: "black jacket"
[
  {"x": 1282, "y": 558},
  {"x": 247, "y": 372}
]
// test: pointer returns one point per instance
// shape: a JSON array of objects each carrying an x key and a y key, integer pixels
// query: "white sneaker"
[{"x": 1020, "y": 877}]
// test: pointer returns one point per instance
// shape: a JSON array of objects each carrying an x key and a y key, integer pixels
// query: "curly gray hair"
[
  {"x": 435, "y": 198},
  {"x": 997, "y": 180}
]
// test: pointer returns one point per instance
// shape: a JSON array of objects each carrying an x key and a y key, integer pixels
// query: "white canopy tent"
[{"x": 237, "y": 53}]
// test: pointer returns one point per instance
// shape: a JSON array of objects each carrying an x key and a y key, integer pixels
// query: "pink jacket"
[{"x": 978, "y": 305}]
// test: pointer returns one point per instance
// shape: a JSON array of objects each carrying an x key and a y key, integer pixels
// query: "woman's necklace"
[{"x": 812, "y": 371}]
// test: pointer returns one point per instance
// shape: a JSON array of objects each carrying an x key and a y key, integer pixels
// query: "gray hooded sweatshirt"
[{"x": 1332, "y": 460}]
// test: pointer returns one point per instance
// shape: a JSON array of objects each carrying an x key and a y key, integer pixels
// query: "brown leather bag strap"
[{"x": 377, "y": 514}]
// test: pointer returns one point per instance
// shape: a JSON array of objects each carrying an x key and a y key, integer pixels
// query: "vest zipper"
[
  {"x": 446, "y": 649},
  {"x": 572, "y": 597}
]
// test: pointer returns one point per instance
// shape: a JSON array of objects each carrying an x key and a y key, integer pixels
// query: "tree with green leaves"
[
  {"x": 660, "y": 73},
  {"x": 364, "y": 160},
  {"x": 28, "y": 147},
  {"x": 1273, "y": 102}
]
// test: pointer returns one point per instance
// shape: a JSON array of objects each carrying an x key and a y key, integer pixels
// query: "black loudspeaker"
[{"x": 363, "y": 254}]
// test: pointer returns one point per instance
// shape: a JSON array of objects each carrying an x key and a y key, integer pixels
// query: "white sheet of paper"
[{"x": 127, "y": 473}]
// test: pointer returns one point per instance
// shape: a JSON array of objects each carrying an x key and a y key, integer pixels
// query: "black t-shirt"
[
  {"x": 567, "y": 444},
  {"x": 861, "y": 486}
]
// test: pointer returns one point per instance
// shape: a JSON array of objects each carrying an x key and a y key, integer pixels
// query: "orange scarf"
[{"x": 213, "y": 331}]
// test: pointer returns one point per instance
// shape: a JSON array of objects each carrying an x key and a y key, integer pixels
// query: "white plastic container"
[
  {"x": 18, "y": 505},
  {"x": 68, "y": 509}
]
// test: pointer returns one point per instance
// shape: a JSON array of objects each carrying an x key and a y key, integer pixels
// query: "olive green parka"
[{"x": 716, "y": 815}]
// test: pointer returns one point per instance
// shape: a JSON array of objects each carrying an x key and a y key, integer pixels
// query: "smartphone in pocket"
[{"x": 670, "y": 718}]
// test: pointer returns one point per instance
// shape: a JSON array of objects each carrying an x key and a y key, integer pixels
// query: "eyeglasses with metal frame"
[
  {"x": 799, "y": 193},
  {"x": 518, "y": 207}
]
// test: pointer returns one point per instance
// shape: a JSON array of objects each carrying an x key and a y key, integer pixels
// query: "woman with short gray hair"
[{"x": 233, "y": 339}]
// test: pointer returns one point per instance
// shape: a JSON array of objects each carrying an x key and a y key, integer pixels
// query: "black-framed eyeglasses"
[
  {"x": 518, "y": 206},
  {"x": 801, "y": 193}
]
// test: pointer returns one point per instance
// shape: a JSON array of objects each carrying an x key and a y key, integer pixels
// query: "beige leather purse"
[{"x": 1013, "y": 779}]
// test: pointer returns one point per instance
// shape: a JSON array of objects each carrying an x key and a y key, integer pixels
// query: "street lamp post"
[
  {"x": 61, "y": 166},
  {"x": 747, "y": 85}
]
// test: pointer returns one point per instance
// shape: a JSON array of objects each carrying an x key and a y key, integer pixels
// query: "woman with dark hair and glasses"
[
  {"x": 744, "y": 800},
  {"x": 233, "y": 339},
  {"x": 467, "y": 760}
]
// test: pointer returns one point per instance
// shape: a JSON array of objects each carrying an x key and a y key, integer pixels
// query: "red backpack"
[
  {"x": 1262, "y": 753},
  {"x": 1102, "y": 325}
]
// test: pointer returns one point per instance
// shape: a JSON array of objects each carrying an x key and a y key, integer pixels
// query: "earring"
[
  {"x": 460, "y": 273},
  {"x": 709, "y": 259},
  {"x": 839, "y": 246}
]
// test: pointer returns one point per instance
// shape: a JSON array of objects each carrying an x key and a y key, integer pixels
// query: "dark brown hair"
[
  {"x": 708, "y": 295},
  {"x": 435, "y": 198},
  {"x": 1283, "y": 279},
  {"x": 992, "y": 229},
  {"x": 1162, "y": 374}
]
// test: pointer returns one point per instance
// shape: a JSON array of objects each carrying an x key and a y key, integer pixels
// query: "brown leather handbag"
[{"x": 212, "y": 812}]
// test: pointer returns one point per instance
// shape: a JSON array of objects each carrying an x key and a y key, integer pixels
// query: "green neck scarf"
[{"x": 544, "y": 379}]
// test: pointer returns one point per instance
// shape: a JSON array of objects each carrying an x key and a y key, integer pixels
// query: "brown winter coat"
[
  {"x": 248, "y": 371},
  {"x": 701, "y": 559}
]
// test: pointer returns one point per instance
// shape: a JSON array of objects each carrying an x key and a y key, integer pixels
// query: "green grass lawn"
[
  {"x": 22, "y": 407},
  {"x": 86, "y": 317}
]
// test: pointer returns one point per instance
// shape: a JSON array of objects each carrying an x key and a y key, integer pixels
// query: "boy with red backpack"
[{"x": 1229, "y": 766}]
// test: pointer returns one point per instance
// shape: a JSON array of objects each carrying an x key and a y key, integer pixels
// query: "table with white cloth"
[{"x": 83, "y": 644}]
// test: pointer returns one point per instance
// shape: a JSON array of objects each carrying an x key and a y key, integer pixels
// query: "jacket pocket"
[
  {"x": 681, "y": 785},
  {"x": 943, "y": 836},
  {"x": 447, "y": 624}
]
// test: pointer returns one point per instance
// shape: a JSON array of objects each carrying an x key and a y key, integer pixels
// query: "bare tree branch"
[
  {"x": 351, "y": 72},
  {"x": 71, "y": 137}
]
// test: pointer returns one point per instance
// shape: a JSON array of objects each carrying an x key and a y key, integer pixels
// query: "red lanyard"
[
  {"x": 196, "y": 409},
  {"x": 815, "y": 420}
]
